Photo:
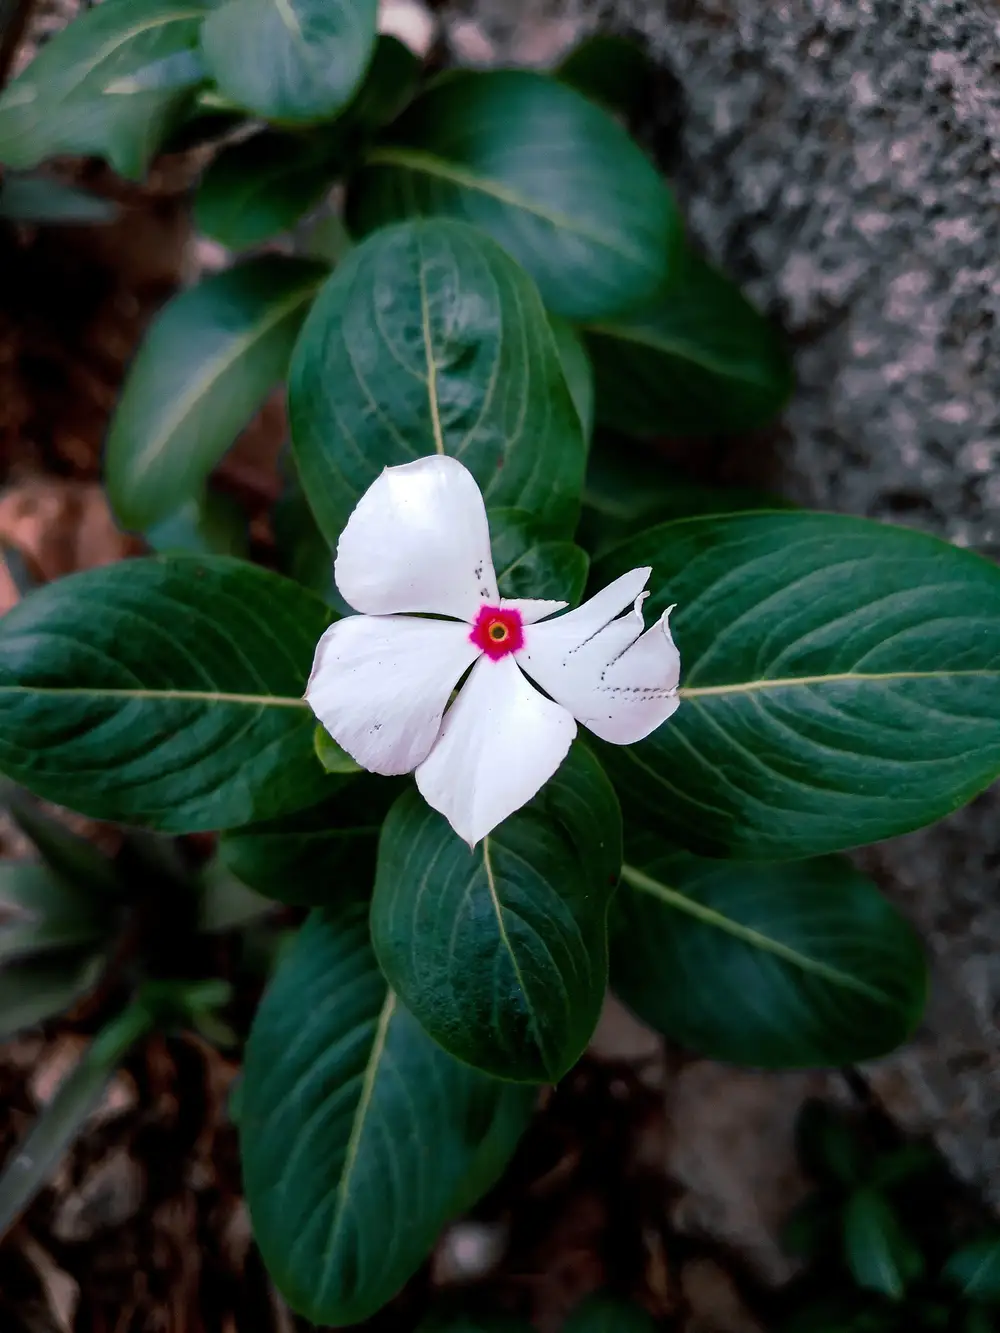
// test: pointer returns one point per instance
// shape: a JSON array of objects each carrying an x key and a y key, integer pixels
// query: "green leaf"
[
  {"x": 212, "y": 523},
  {"x": 428, "y": 337},
  {"x": 826, "y": 971},
  {"x": 330, "y": 755},
  {"x": 357, "y": 1130},
  {"x": 165, "y": 691},
  {"x": 548, "y": 174},
  {"x": 114, "y": 83},
  {"x": 38, "y": 989},
  {"x": 604, "y": 1313},
  {"x": 392, "y": 79},
  {"x": 609, "y": 69},
  {"x": 840, "y": 683},
  {"x": 74, "y": 860},
  {"x": 700, "y": 361},
  {"x": 881, "y": 1256},
  {"x": 39, "y": 912},
  {"x": 528, "y": 566},
  {"x": 293, "y": 61},
  {"x": 577, "y": 370},
  {"x": 302, "y": 551},
  {"x": 37, "y": 199},
  {"x": 226, "y": 903},
  {"x": 311, "y": 857},
  {"x": 975, "y": 1270},
  {"x": 261, "y": 187},
  {"x": 205, "y": 367},
  {"x": 501, "y": 952},
  {"x": 34, "y": 1160}
]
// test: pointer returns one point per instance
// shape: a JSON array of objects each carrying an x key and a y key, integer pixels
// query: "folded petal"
[
  {"x": 500, "y": 742},
  {"x": 531, "y": 609},
  {"x": 619, "y": 682},
  {"x": 418, "y": 540},
  {"x": 380, "y": 684}
]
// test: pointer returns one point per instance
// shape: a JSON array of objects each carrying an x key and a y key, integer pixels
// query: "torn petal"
[
  {"x": 619, "y": 682},
  {"x": 380, "y": 684},
  {"x": 501, "y": 741},
  {"x": 418, "y": 540}
]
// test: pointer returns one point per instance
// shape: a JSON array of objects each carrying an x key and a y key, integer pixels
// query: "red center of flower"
[{"x": 497, "y": 631}]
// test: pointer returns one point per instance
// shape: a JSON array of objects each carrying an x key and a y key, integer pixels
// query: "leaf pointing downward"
[{"x": 358, "y": 1132}]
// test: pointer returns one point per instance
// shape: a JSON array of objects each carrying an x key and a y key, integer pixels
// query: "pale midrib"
[
  {"x": 290, "y": 20},
  {"x": 505, "y": 938},
  {"x": 120, "y": 39},
  {"x": 213, "y": 371},
  {"x": 196, "y": 696},
  {"x": 360, "y": 1114},
  {"x": 672, "y": 897},
  {"x": 789, "y": 682},
  {"x": 415, "y": 160},
  {"x": 432, "y": 391}
]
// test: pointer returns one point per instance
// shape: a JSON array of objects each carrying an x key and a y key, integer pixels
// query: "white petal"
[
  {"x": 380, "y": 684},
  {"x": 418, "y": 540},
  {"x": 615, "y": 679},
  {"x": 531, "y": 609},
  {"x": 501, "y": 741}
]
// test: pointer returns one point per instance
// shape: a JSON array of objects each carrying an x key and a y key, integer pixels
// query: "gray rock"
[{"x": 841, "y": 159}]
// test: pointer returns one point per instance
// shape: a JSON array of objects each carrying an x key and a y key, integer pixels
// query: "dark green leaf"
[
  {"x": 603, "y": 1313},
  {"x": 38, "y": 989},
  {"x": 37, "y": 199},
  {"x": 205, "y": 367},
  {"x": 975, "y": 1270},
  {"x": 880, "y": 1255},
  {"x": 312, "y": 856},
  {"x": 840, "y": 683},
  {"x": 302, "y": 550},
  {"x": 392, "y": 79},
  {"x": 428, "y": 337},
  {"x": 577, "y": 369},
  {"x": 293, "y": 61},
  {"x": 357, "y": 1130},
  {"x": 261, "y": 187},
  {"x": 629, "y": 488},
  {"x": 75, "y": 860},
  {"x": 226, "y": 903},
  {"x": 34, "y": 1160},
  {"x": 609, "y": 69},
  {"x": 115, "y": 82},
  {"x": 827, "y": 973},
  {"x": 700, "y": 361},
  {"x": 828, "y": 1144},
  {"x": 165, "y": 691},
  {"x": 40, "y": 912},
  {"x": 210, "y": 524},
  {"x": 548, "y": 174},
  {"x": 528, "y": 566},
  {"x": 501, "y": 952}
]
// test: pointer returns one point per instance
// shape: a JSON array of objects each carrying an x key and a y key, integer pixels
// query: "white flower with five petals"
[{"x": 414, "y": 560}]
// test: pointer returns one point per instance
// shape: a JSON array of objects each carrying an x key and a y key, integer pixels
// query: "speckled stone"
[{"x": 841, "y": 159}]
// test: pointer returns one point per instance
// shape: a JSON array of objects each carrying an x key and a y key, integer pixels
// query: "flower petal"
[
  {"x": 501, "y": 741},
  {"x": 531, "y": 609},
  {"x": 380, "y": 684},
  {"x": 615, "y": 679},
  {"x": 418, "y": 540}
]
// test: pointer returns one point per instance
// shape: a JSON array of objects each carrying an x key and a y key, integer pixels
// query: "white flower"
[{"x": 418, "y": 541}]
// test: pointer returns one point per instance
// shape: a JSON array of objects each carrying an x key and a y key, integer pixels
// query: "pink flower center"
[{"x": 497, "y": 631}]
